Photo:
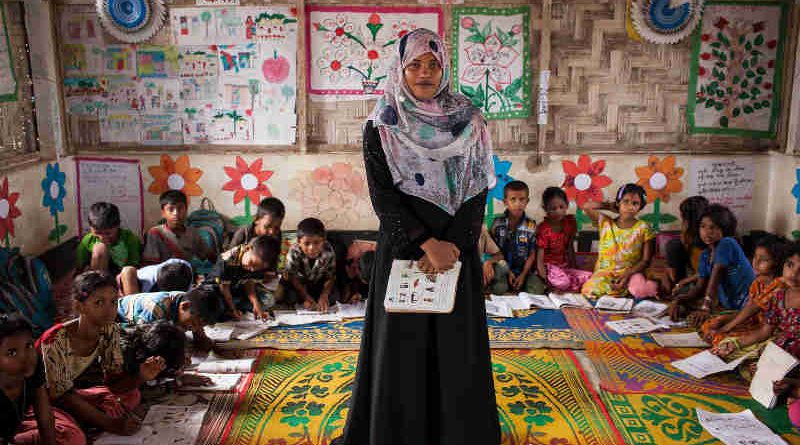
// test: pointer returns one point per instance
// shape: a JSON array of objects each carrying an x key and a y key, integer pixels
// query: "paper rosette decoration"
[
  {"x": 132, "y": 21},
  {"x": 666, "y": 21}
]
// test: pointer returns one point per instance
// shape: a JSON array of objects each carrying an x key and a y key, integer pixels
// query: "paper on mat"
[
  {"x": 232, "y": 366},
  {"x": 738, "y": 428},
  {"x": 220, "y": 383},
  {"x": 498, "y": 309},
  {"x": 773, "y": 365},
  {"x": 356, "y": 310},
  {"x": 613, "y": 304},
  {"x": 514, "y": 302},
  {"x": 680, "y": 340},
  {"x": 705, "y": 363},
  {"x": 633, "y": 326},
  {"x": 218, "y": 332},
  {"x": 649, "y": 309},
  {"x": 164, "y": 424}
]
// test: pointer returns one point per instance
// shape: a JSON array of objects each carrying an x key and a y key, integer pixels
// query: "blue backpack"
[
  {"x": 26, "y": 288},
  {"x": 212, "y": 227}
]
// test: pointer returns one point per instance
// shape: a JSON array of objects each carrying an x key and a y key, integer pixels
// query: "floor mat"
[
  {"x": 537, "y": 329},
  {"x": 590, "y": 324},
  {"x": 300, "y": 397},
  {"x": 636, "y": 365},
  {"x": 671, "y": 419}
]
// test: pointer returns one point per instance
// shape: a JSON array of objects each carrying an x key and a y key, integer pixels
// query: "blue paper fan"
[
  {"x": 666, "y": 21},
  {"x": 131, "y": 21}
]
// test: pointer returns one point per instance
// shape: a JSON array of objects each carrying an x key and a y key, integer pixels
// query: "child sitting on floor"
[
  {"x": 358, "y": 272},
  {"x": 625, "y": 249},
  {"x": 269, "y": 218},
  {"x": 107, "y": 246},
  {"x": 166, "y": 342},
  {"x": 515, "y": 234},
  {"x": 83, "y": 360},
  {"x": 191, "y": 310},
  {"x": 555, "y": 252},
  {"x": 495, "y": 266},
  {"x": 242, "y": 272},
  {"x": 767, "y": 260},
  {"x": 174, "y": 239},
  {"x": 780, "y": 320},
  {"x": 310, "y": 267},
  {"x": 171, "y": 275},
  {"x": 724, "y": 275},
  {"x": 28, "y": 417},
  {"x": 683, "y": 255}
]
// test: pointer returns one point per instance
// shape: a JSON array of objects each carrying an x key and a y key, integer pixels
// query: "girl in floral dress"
[{"x": 626, "y": 247}]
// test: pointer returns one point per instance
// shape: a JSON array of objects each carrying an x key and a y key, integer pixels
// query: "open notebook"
[
  {"x": 413, "y": 291},
  {"x": 773, "y": 365}
]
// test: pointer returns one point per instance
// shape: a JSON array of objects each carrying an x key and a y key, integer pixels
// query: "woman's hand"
[
  {"x": 151, "y": 368},
  {"x": 442, "y": 255}
]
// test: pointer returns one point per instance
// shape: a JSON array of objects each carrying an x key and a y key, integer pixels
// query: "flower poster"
[
  {"x": 349, "y": 48},
  {"x": 735, "y": 76},
  {"x": 491, "y": 60}
]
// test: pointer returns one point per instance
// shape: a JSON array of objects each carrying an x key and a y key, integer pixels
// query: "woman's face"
[{"x": 423, "y": 76}]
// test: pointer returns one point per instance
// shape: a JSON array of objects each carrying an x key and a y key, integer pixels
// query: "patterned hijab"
[{"x": 437, "y": 150}]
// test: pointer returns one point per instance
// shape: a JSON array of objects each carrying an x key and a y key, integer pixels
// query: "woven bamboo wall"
[{"x": 607, "y": 92}]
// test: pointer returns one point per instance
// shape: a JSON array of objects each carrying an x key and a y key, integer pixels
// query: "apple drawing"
[{"x": 275, "y": 69}]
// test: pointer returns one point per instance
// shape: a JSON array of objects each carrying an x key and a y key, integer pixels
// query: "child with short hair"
[
  {"x": 724, "y": 275},
  {"x": 268, "y": 220},
  {"x": 767, "y": 261},
  {"x": 107, "y": 246},
  {"x": 242, "y": 271},
  {"x": 555, "y": 249},
  {"x": 28, "y": 417},
  {"x": 358, "y": 272},
  {"x": 77, "y": 351},
  {"x": 174, "y": 274},
  {"x": 683, "y": 255},
  {"x": 174, "y": 239},
  {"x": 311, "y": 267},
  {"x": 191, "y": 310},
  {"x": 515, "y": 234},
  {"x": 625, "y": 248}
]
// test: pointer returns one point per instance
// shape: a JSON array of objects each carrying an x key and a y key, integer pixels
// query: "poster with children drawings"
[
  {"x": 736, "y": 66},
  {"x": 230, "y": 25},
  {"x": 240, "y": 95},
  {"x": 83, "y": 86},
  {"x": 349, "y": 48},
  {"x": 8, "y": 80},
  {"x": 199, "y": 89},
  {"x": 157, "y": 61},
  {"x": 81, "y": 25},
  {"x": 87, "y": 106},
  {"x": 119, "y": 60},
  {"x": 491, "y": 59},
  {"x": 229, "y": 126},
  {"x": 121, "y": 93},
  {"x": 193, "y": 26},
  {"x": 80, "y": 59},
  {"x": 240, "y": 61},
  {"x": 158, "y": 96},
  {"x": 119, "y": 127},
  {"x": 118, "y": 181},
  {"x": 198, "y": 61},
  {"x": 197, "y": 121},
  {"x": 161, "y": 129}
]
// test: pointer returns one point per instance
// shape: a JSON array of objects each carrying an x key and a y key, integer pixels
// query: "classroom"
[{"x": 426, "y": 222}]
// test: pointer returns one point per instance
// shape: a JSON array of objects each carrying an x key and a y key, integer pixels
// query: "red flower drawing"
[
  {"x": 583, "y": 181},
  {"x": 247, "y": 181},
  {"x": 8, "y": 210}
]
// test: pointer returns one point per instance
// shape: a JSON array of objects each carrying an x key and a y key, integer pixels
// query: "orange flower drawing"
[
  {"x": 175, "y": 175},
  {"x": 337, "y": 194},
  {"x": 247, "y": 181},
  {"x": 660, "y": 178},
  {"x": 8, "y": 211},
  {"x": 583, "y": 181}
]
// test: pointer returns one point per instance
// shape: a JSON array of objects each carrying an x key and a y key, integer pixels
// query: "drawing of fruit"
[{"x": 275, "y": 69}]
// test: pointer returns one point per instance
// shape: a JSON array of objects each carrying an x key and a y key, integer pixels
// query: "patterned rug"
[
  {"x": 670, "y": 419},
  {"x": 533, "y": 330},
  {"x": 300, "y": 397},
  {"x": 591, "y": 324},
  {"x": 637, "y": 366}
]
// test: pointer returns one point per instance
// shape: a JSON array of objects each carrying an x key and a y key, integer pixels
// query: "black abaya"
[{"x": 422, "y": 379}]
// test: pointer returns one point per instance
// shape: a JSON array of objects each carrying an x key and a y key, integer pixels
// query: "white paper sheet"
[
  {"x": 633, "y": 326},
  {"x": 613, "y": 304},
  {"x": 649, "y": 309},
  {"x": 220, "y": 382},
  {"x": 499, "y": 309},
  {"x": 230, "y": 366},
  {"x": 357, "y": 310},
  {"x": 411, "y": 290},
  {"x": 680, "y": 340},
  {"x": 705, "y": 363},
  {"x": 773, "y": 365},
  {"x": 738, "y": 428}
]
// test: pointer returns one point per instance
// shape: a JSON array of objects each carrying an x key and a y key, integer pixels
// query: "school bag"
[
  {"x": 25, "y": 287},
  {"x": 212, "y": 227}
]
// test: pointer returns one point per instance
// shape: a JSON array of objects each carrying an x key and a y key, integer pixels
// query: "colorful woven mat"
[
  {"x": 639, "y": 366},
  {"x": 531, "y": 330},
  {"x": 300, "y": 397},
  {"x": 591, "y": 324},
  {"x": 671, "y": 419}
]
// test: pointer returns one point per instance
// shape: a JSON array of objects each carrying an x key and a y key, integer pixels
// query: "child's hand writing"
[
  {"x": 195, "y": 380},
  {"x": 235, "y": 314},
  {"x": 724, "y": 349},
  {"x": 518, "y": 282},
  {"x": 323, "y": 303},
  {"x": 309, "y": 304},
  {"x": 151, "y": 368},
  {"x": 697, "y": 318},
  {"x": 621, "y": 282}
]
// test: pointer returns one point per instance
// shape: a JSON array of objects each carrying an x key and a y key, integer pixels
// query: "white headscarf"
[{"x": 438, "y": 150}]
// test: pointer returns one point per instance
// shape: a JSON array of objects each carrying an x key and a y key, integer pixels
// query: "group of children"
[
  {"x": 739, "y": 305},
  {"x": 135, "y": 303}
]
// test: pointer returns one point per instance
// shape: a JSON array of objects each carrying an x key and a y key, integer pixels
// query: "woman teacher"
[{"x": 425, "y": 379}]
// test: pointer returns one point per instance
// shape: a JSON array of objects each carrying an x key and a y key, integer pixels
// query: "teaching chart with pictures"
[{"x": 228, "y": 76}]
